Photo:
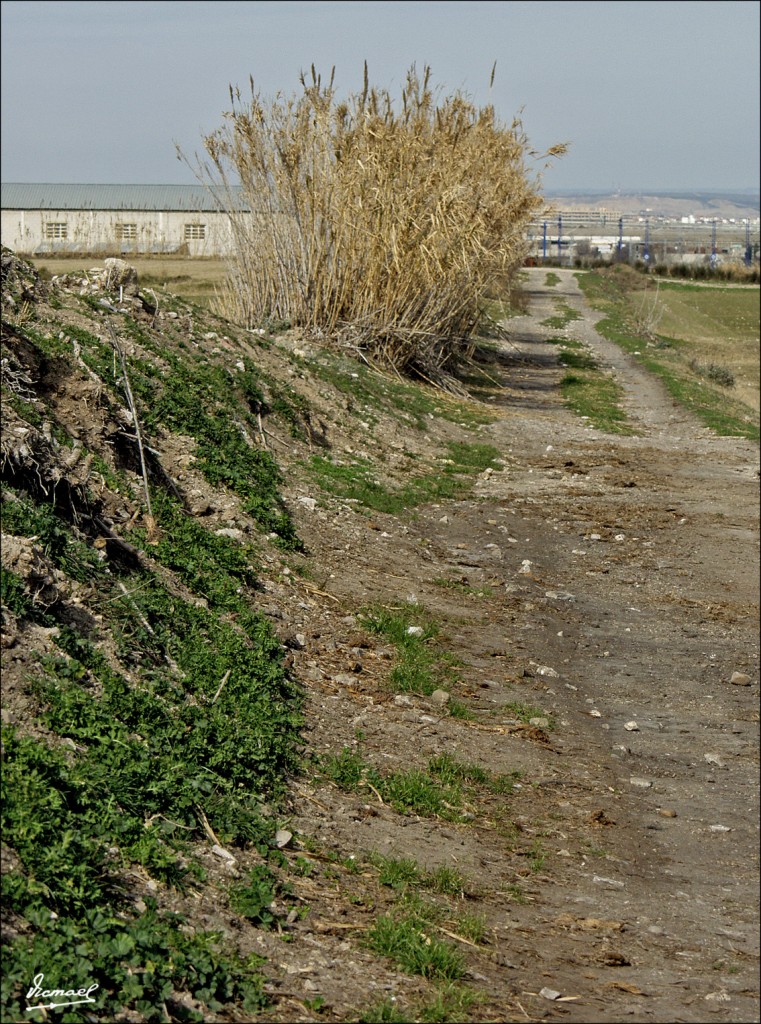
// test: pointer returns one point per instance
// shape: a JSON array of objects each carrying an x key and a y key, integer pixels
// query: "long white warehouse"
[{"x": 113, "y": 219}]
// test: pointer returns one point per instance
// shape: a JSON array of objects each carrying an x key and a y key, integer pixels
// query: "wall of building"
[{"x": 32, "y": 232}]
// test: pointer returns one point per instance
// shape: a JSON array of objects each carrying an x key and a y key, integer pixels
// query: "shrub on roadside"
[{"x": 379, "y": 222}]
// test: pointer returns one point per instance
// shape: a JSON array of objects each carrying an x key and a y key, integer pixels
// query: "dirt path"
[
  {"x": 628, "y": 568},
  {"x": 662, "y": 618}
]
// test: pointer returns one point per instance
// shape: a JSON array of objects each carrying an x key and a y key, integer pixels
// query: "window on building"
[
  {"x": 194, "y": 231},
  {"x": 126, "y": 232},
  {"x": 56, "y": 229}
]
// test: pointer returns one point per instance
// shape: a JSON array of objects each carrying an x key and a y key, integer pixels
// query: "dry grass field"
[
  {"x": 714, "y": 327},
  {"x": 195, "y": 279}
]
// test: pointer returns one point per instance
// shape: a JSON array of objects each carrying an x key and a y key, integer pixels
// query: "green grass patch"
[
  {"x": 454, "y": 772},
  {"x": 537, "y": 856},
  {"x": 564, "y": 316},
  {"x": 421, "y": 667},
  {"x": 596, "y": 397},
  {"x": 370, "y": 393},
  {"x": 450, "y": 1004},
  {"x": 405, "y": 874},
  {"x": 407, "y": 940},
  {"x": 587, "y": 390},
  {"x": 358, "y": 480},
  {"x": 385, "y": 1012},
  {"x": 413, "y": 791},
  {"x": 461, "y": 586},
  {"x": 438, "y": 791},
  {"x": 712, "y": 313},
  {"x": 524, "y": 712}
]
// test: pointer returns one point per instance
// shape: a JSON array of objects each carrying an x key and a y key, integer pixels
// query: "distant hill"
[{"x": 739, "y": 204}]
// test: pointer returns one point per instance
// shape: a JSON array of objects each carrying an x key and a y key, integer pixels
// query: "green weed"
[
  {"x": 457, "y": 709},
  {"x": 412, "y": 791},
  {"x": 384, "y": 1012},
  {"x": 417, "y": 792},
  {"x": 348, "y": 769},
  {"x": 404, "y": 940},
  {"x": 445, "y": 880},
  {"x": 537, "y": 856},
  {"x": 454, "y": 772},
  {"x": 472, "y": 926},
  {"x": 252, "y": 898},
  {"x": 71, "y": 837},
  {"x": 405, "y": 874},
  {"x": 14, "y": 594},
  {"x": 450, "y": 1005},
  {"x": 397, "y": 873}
]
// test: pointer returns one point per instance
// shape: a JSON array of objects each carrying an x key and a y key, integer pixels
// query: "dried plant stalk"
[{"x": 384, "y": 224}]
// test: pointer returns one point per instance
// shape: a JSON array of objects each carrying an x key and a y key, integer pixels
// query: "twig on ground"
[
  {"x": 372, "y": 787},
  {"x": 150, "y": 521},
  {"x": 207, "y": 827},
  {"x": 225, "y": 677},
  {"x": 261, "y": 428},
  {"x": 135, "y": 608},
  {"x": 459, "y": 938}
]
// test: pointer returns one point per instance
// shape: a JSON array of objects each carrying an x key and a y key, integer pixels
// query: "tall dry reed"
[{"x": 377, "y": 223}]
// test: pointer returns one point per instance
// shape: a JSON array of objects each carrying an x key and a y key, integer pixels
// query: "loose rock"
[{"x": 740, "y": 679}]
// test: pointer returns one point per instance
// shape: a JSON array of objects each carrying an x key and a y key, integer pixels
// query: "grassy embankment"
[
  {"x": 701, "y": 341},
  {"x": 160, "y": 711}
]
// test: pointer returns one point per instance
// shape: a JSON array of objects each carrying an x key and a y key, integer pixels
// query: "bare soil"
[{"x": 611, "y": 581}]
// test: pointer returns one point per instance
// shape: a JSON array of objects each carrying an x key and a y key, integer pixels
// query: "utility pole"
[
  {"x": 646, "y": 253},
  {"x": 544, "y": 243},
  {"x": 713, "y": 243},
  {"x": 620, "y": 236},
  {"x": 748, "y": 250},
  {"x": 560, "y": 233}
]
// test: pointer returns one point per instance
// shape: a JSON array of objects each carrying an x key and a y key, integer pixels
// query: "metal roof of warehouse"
[{"x": 189, "y": 198}]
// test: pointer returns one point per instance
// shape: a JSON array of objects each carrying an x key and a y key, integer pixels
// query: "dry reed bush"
[{"x": 378, "y": 224}]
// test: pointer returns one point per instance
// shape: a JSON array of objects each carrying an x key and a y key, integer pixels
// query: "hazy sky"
[{"x": 651, "y": 95}]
